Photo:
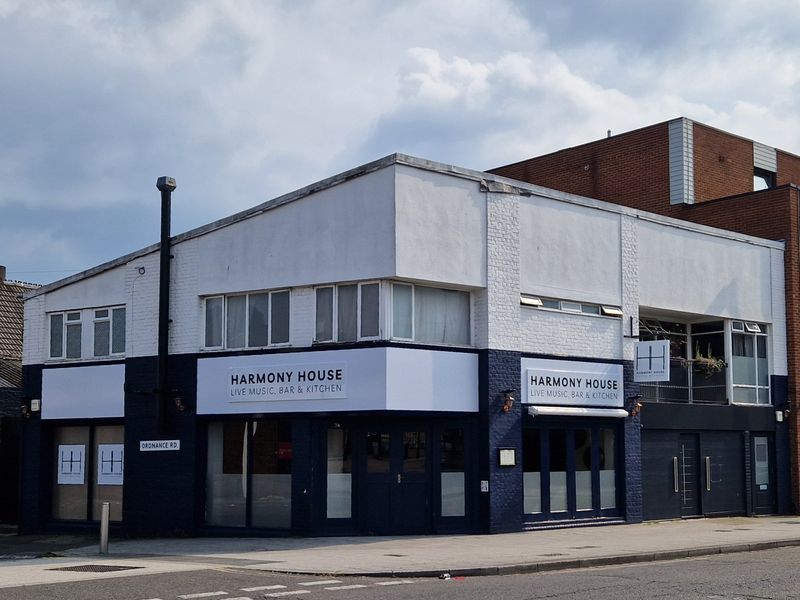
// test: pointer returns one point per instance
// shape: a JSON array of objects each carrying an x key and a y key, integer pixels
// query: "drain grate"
[{"x": 95, "y": 568}]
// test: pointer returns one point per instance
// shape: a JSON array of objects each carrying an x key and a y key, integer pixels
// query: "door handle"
[
  {"x": 675, "y": 472},
  {"x": 708, "y": 473}
]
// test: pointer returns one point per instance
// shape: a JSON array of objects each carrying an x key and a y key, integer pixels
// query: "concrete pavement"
[{"x": 533, "y": 551}]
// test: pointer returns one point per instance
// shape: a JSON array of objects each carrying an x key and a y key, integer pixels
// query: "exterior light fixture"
[
  {"x": 26, "y": 412},
  {"x": 179, "y": 404},
  {"x": 634, "y": 405},
  {"x": 508, "y": 400}
]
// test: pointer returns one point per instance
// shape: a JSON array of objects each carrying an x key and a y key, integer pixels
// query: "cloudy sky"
[{"x": 244, "y": 100}]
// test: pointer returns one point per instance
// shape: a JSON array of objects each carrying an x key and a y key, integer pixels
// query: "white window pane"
[
  {"x": 56, "y": 336},
  {"x": 744, "y": 364},
  {"x": 401, "y": 310},
  {"x": 118, "y": 330},
  {"x": 213, "y": 322},
  {"x": 324, "y": 331},
  {"x": 747, "y": 395},
  {"x": 369, "y": 310},
  {"x": 101, "y": 314},
  {"x": 761, "y": 451},
  {"x": 347, "y": 313},
  {"x": 441, "y": 316},
  {"x": 280, "y": 317},
  {"x": 763, "y": 395},
  {"x": 339, "y": 493},
  {"x": 608, "y": 491},
  {"x": 102, "y": 334},
  {"x": 236, "y": 307},
  {"x": 258, "y": 308},
  {"x": 73, "y": 340}
]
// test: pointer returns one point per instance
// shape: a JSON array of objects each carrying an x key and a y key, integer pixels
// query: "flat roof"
[{"x": 492, "y": 183}]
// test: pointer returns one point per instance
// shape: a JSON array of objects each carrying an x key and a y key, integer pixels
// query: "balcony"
[{"x": 690, "y": 382}]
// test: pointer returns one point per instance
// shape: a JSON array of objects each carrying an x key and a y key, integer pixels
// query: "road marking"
[
  {"x": 263, "y": 587},
  {"x": 203, "y": 595},
  {"x": 393, "y": 582},
  {"x": 326, "y": 582},
  {"x": 279, "y": 594},
  {"x": 346, "y": 587}
]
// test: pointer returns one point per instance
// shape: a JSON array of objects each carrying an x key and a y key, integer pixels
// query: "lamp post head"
[{"x": 166, "y": 184}]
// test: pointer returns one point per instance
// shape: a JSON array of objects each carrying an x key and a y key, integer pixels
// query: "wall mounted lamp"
[
  {"x": 508, "y": 400},
  {"x": 634, "y": 405},
  {"x": 180, "y": 405},
  {"x": 26, "y": 412}
]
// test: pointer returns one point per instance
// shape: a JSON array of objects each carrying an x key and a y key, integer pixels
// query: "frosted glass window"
[
  {"x": 236, "y": 321},
  {"x": 761, "y": 452},
  {"x": 370, "y": 310},
  {"x": 257, "y": 310},
  {"x": 226, "y": 474},
  {"x": 56, "y": 336},
  {"x": 213, "y": 322},
  {"x": 402, "y": 310},
  {"x": 347, "y": 313},
  {"x": 280, "y": 317},
  {"x": 339, "y": 494},
  {"x": 452, "y": 473},
  {"x": 441, "y": 316},
  {"x": 608, "y": 480},
  {"x": 750, "y": 368},
  {"x": 324, "y": 330},
  {"x": 583, "y": 469},
  {"x": 558, "y": 470},
  {"x": 102, "y": 337},
  {"x": 118, "y": 330},
  {"x": 271, "y": 503},
  {"x": 532, "y": 470},
  {"x": 73, "y": 339}
]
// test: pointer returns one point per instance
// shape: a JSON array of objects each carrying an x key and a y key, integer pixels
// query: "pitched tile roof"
[
  {"x": 10, "y": 373},
  {"x": 11, "y": 318}
]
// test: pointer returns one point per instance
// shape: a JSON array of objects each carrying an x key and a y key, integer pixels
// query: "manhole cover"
[
  {"x": 94, "y": 568},
  {"x": 553, "y": 554},
  {"x": 396, "y": 555}
]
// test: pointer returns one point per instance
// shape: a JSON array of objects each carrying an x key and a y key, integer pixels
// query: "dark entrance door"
[
  {"x": 396, "y": 480},
  {"x": 688, "y": 471},
  {"x": 763, "y": 469}
]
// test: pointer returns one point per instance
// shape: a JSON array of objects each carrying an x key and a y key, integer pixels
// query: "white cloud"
[{"x": 242, "y": 101}]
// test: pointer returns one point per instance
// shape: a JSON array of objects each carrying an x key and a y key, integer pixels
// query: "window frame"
[
  {"x": 748, "y": 330},
  {"x": 109, "y": 318},
  {"x": 335, "y": 311},
  {"x": 224, "y": 321},
  {"x": 570, "y": 307},
  {"x": 65, "y": 324},
  {"x": 413, "y": 338}
]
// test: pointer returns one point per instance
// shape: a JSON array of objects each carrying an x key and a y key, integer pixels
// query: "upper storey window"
[
  {"x": 247, "y": 320},
  {"x": 750, "y": 363},
  {"x": 763, "y": 179},
  {"x": 430, "y": 315},
  {"x": 107, "y": 327},
  {"x": 348, "y": 312}
]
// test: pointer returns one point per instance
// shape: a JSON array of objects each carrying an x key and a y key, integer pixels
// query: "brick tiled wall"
[
  {"x": 723, "y": 164},
  {"x": 630, "y": 169},
  {"x": 788, "y": 168}
]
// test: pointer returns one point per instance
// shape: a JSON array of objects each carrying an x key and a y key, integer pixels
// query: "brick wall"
[
  {"x": 723, "y": 164},
  {"x": 788, "y": 168},
  {"x": 630, "y": 169}
]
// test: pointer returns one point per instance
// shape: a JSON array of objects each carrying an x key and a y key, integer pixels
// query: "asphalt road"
[{"x": 748, "y": 575}]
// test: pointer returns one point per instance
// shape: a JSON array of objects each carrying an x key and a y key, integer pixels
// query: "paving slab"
[{"x": 531, "y": 551}]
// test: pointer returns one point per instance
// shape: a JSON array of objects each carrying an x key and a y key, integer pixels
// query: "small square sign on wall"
[{"x": 508, "y": 457}]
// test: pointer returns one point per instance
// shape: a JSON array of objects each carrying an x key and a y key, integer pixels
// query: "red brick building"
[{"x": 691, "y": 171}]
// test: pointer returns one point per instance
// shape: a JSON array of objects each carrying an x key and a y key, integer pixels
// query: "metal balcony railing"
[{"x": 689, "y": 383}]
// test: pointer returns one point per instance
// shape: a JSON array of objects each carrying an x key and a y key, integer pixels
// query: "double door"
[
  {"x": 691, "y": 474},
  {"x": 396, "y": 472}
]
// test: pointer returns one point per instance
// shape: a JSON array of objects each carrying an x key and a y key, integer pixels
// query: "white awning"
[{"x": 576, "y": 411}]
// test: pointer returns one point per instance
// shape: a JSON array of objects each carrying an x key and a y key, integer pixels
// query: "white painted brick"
[
  {"x": 629, "y": 234},
  {"x": 34, "y": 348},
  {"x": 503, "y": 272}
]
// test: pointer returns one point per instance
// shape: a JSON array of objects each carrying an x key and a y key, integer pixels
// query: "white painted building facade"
[{"x": 364, "y": 342}]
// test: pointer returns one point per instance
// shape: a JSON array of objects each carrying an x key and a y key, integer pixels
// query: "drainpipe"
[{"x": 165, "y": 185}]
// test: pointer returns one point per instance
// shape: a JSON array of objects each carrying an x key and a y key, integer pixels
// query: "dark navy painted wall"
[
  {"x": 632, "y": 450},
  {"x": 499, "y": 371},
  {"x": 160, "y": 494}
]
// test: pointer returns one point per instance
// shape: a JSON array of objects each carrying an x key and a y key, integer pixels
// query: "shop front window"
[
  {"x": 89, "y": 470},
  {"x": 532, "y": 470},
  {"x": 339, "y": 494},
  {"x": 249, "y": 474},
  {"x": 452, "y": 473}
]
